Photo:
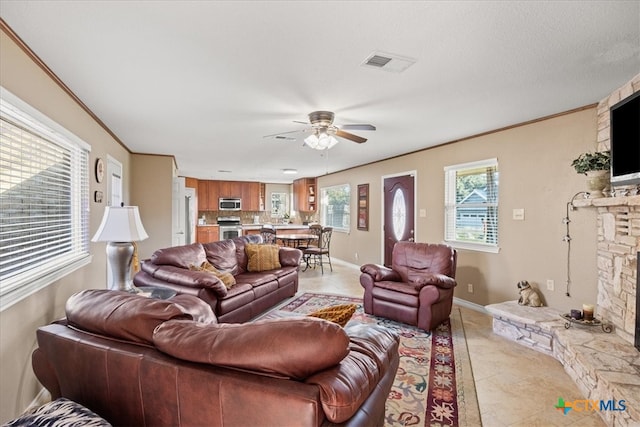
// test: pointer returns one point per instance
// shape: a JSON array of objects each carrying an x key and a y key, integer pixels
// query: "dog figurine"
[{"x": 528, "y": 295}]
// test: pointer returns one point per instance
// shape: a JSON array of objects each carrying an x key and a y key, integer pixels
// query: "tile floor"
[{"x": 516, "y": 386}]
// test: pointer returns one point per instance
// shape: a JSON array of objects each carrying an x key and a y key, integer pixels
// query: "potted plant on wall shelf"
[{"x": 596, "y": 166}]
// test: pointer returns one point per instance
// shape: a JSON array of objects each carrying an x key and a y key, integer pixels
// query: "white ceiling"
[{"x": 204, "y": 81}]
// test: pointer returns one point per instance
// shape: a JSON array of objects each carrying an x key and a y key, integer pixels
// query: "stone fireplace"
[
  {"x": 618, "y": 238},
  {"x": 618, "y": 246},
  {"x": 603, "y": 365}
]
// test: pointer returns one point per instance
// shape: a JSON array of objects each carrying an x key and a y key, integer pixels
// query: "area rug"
[{"x": 434, "y": 385}]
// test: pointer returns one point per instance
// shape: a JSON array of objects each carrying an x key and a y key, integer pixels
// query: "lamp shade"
[{"x": 120, "y": 224}]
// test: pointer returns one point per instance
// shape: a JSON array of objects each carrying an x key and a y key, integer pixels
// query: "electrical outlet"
[
  {"x": 470, "y": 288},
  {"x": 550, "y": 285}
]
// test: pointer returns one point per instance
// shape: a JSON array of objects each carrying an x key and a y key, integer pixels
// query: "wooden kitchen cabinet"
[
  {"x": 305, "y": 197},
  {"x": 203, "y": 195},
  {"x": 251, "y": 193},
  {"x": 207, "y": 233},
  {"x": 230, "y": 189},
  {"x": 208, "y": 194},
  {"x": 251, "y": 196}
]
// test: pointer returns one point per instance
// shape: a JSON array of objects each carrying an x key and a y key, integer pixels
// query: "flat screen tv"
[{"x": 625, "y": 141}]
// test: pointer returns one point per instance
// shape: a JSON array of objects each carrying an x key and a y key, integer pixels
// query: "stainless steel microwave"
[{"x": 229, "y": 204}]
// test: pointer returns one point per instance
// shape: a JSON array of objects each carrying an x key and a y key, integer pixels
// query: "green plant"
[{"x": 598, "y": 161}]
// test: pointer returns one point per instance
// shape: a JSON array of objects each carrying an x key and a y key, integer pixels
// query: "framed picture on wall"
[{"x": 363, "y": 207}]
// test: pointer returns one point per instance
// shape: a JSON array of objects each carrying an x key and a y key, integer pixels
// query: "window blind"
[
  {"x": 44, "y": 200},
  {"x": 471, "y": 203}
]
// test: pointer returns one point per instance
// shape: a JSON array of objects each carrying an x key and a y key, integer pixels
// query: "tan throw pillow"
[
  {"x": 262, "y": 257},
  {"x": 224, "y": 276},
  {"x": 340, "y": 314}
]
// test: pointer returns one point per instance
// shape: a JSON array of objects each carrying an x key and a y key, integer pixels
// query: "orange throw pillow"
[
  {"x": 340, "y": 314},
  {"x": 225, "y": 277},
  {"x": 262, "y": 257}
]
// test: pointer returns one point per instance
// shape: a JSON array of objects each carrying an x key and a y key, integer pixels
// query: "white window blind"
[
  {"x": 335, "y": 207},
  {"x": 44, "y": 200},
  {"x": 471, "y": 205}
]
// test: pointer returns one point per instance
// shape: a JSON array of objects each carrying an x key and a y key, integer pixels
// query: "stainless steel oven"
[{"x": 230, "y": 227}]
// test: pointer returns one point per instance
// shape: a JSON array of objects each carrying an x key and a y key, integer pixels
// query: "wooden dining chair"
[
  {"x": 315, "y": 255},
  {"x": 268, "y": 235}
]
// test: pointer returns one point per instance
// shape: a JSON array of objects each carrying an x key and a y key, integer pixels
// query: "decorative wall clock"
[{"x": 99, "y": 170}]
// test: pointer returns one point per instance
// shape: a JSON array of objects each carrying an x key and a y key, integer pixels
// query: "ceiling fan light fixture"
[
  {"x": 311, "y": 140},
  {"x": 323, "y": 141}
]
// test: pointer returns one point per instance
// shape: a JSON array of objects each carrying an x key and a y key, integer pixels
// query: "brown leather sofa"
[
  {"x": 253, "y": 293},
  {"x": 417, "y": 289},
  {"x": 139, "y": 361}
]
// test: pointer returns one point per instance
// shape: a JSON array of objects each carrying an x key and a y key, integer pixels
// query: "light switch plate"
[{"x": 518, "y": 214}]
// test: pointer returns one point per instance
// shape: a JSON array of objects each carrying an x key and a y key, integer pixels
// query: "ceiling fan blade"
[
  {"x": 301, "y": 122},
  {"x": 358, "y": 127},
  {"x": 350, "y": 136},
  {"x": 284, "y": 133}
]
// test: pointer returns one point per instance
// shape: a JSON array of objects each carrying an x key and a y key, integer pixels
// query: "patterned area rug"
[{"x": 434, "y": 385}]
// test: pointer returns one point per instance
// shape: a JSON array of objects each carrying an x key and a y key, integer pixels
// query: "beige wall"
[
  {"x": 535, "y": 174},
  {"x": 151, "y": 190},
  {"x": 147, "y": 182},
  {"x": 18, "y": 323}
]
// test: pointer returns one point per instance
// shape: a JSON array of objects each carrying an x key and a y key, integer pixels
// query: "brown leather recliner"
[{"x": 417, "y": 289}]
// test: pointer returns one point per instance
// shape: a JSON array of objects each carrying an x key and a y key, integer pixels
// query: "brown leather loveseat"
[
  {"x": 253, "y": 292},
  {"x": 138, "y": 361}
]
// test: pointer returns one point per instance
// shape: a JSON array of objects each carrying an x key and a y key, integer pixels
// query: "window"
[
  {"x": 44, "y": 200},
  {"x": 278, "y": 205},
  {"x": 471, "y": 205},
  {"x": 335, "y": 203}
]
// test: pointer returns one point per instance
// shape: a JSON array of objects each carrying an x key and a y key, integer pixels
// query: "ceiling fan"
[{"x": 323, "y": 131}]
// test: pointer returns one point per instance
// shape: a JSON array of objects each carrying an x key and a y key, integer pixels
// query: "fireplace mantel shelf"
[{"x": 607, "y": 201}]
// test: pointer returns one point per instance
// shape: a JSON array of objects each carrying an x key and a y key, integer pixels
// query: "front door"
[{"x": 399, "y": 218}]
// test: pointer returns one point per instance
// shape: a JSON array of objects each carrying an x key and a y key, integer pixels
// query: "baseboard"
[
  {"x": 470, "y": 305},
  {"x": 345, "y": 263}
]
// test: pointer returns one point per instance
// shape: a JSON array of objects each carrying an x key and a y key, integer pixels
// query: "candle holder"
[{"x": 568, "y": 317}]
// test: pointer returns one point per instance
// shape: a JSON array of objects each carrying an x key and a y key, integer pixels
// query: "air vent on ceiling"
[
  {"x": 388, "y": 62},
  {"x": 378, "y": 61}
]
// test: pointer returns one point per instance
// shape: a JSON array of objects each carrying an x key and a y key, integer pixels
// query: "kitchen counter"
[{"x": 276, "y": 226}]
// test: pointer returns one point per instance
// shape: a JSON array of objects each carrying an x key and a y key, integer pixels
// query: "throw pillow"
[
  {"x": 262, "y": 257},
  {"x": 224, "y": 276},
  {"x": 340, "y": 314}
]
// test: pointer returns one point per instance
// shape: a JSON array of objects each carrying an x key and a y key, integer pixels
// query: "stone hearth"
[{"x": 603, "y": 365}]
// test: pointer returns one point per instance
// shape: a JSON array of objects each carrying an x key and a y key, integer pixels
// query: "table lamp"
[{"x": 120, "y": 227}]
